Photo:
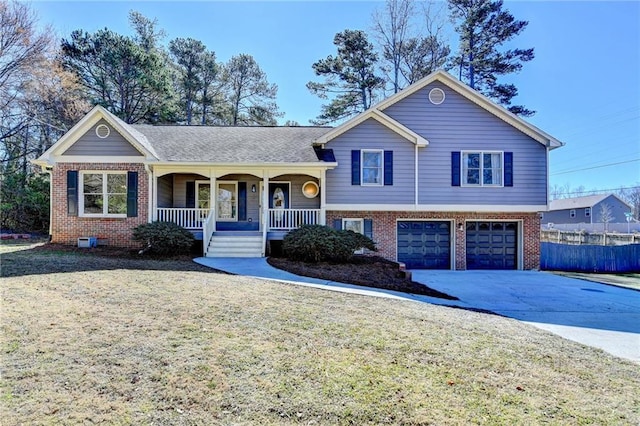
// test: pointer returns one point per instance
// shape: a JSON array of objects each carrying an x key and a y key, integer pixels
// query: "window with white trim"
[
  {"x": 355, "y": 225},
  {"x": 572, "y": 213},
  {"x": 587, "y": 212},
  {"x": 103, "y": 194},
  {"x": 482, "y": 168},
  {"x": 372, "y": 166}
]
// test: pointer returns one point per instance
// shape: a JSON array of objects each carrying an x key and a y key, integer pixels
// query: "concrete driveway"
[
  {"x": 590, "y": 313},
  {"x": 594, "y": 314}
]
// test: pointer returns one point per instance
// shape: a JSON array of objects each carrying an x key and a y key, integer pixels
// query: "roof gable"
[
  {"x": 101, "y": 139},
  {"x": 381, "y": 118},
  {"x": 459, "y": 87},
  {"x": 581, "y": 202},
  {"x": 65, "y": 146}
]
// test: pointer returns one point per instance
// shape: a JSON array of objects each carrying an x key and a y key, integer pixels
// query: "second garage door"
[
  {"x": 492, "y": 245},
  {"x": 424, "y": 244}
]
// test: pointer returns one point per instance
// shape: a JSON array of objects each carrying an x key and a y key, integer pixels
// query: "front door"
[
  {"x": 279, "y": 195},
  {"x": 227, "y": 201}
]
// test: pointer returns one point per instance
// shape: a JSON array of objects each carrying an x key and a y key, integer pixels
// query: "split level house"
[{"x": 437, "y": 175}]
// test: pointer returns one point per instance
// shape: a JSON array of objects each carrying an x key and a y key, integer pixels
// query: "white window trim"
[
  {"x": 463, "y": 177},
  {"x": 355, "y": 219},
  {"x": 198, "y": 183},
  {"x": 105, "y": 205},
  {"x": 572, "y": 213},
  {"x": 379, "y": 151},
  {"x": 227, "y": 182},
  {"x": 587, "y": 212}
]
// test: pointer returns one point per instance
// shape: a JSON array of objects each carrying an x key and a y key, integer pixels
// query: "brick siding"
[
  {"x": 116, "y": 232},
  {"x": 384, "y": 231}
]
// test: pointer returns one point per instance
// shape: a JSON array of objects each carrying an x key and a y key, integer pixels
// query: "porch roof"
[{"x": 240, "y": 145}]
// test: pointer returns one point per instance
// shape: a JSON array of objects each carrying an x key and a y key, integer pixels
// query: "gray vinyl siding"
[
  {"x": 297, "y": 199},
  {"x": 460, "y": 125},
  {"x": 165, "y": 191},
  {"x": 180, "y": 188},
  {"x": 90, "y": 144},
  {"x": 371, "y": 135}
]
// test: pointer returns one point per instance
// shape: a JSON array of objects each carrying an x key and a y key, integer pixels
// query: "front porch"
[{"x": 238, "y": 214}]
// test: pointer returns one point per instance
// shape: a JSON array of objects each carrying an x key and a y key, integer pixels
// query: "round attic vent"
[
  {"x": 102, "y": 131},
  {"x": 436, "y": 96}
]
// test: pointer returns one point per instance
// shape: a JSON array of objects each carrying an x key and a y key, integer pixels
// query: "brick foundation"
[
  {"x": 384, "y": 231},
  {"x": 116, "y": 232}
]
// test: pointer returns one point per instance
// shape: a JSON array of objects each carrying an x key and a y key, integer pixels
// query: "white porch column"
[
  {"x": 323, "y": 197},
  {"x": 153, "y": 195},
  {"x": 265, "y": 210},
  {"x": 213, "y": 197}
]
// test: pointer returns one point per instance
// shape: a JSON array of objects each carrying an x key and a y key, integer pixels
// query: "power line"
[
  {"x": 595, "y": 191},
  {"x": 595, "y": 167}
]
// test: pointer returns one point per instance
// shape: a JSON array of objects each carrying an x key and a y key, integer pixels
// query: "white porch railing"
[
  {"x": 187, "y": 218},
  {"x": 288, "y": 219},
  {"x": 208, "y": 228}
]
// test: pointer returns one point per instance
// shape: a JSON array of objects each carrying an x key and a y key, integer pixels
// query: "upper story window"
[
  {"x": 372, "y": 167},
  {"x": 587, "y": 212},
  {"x": 482, "y": 168},
  {"x": 103, "y": 194},
  {"x": 572, "y": 213}
]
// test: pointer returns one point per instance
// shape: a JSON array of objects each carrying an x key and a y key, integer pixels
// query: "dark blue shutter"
[
  {"x": 72, "y": 192},
  {"x": 388, "y": 167},
  {"x": 508, "y": 169},
  {"x": 132, "y": 194},
  {"x": 242, "y": 201},
  {"x": 355, "y": 167},
  {"x": 337, "y": 224},
  {"x": 368, "y": 228},
  {"x": 455, "y": 168},
  {"x": 191, "y": 195}
]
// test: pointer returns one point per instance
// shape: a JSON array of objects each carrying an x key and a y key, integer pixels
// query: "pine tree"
[
  {"x": 483, "y": 27},
  {"x": 350, "y": 77}
]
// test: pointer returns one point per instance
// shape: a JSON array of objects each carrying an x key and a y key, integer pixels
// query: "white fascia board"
[
  {"x": 101, "y": 159},
  {"x": 320, "y": 165},
  {"x": 82, "y": 126},
  {"x": 477, "y": 98},
  {"x": 490, "y": 208}
]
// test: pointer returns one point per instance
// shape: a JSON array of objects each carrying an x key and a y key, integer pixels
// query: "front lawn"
[{"x": 88, "y": 339}]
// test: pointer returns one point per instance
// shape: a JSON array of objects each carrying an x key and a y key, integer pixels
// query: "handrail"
[
  {"x": 188, "y": 218},
  {"x": 288, "y": 219},
  {"x": 208, "y": 228}
]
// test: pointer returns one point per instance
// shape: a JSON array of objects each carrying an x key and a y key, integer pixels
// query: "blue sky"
[{"x": 584, "y": 82}]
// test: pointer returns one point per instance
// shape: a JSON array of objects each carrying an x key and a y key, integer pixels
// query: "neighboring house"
[
  {"x": 587, "y": 209},
  {"x": 437, "y": 175}
]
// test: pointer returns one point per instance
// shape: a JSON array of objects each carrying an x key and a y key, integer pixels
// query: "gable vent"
[
  {"x": 436, "y": 96},
  {"x": 103, "y": 131}
]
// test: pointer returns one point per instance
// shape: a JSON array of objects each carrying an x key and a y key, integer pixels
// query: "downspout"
[
  {"x": 323, "y": 197},
  {"x": 50, "y": 173},
  {"x": 416, "y": 178}
]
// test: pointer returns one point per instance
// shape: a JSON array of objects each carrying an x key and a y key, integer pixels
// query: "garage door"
[
  {"x": 424, "y": 244},
  {"x": 492, "y": 245}
]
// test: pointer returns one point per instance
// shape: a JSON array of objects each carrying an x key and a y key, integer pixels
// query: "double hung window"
[
  {"x": 103, "y": 194},
  {"x": 372, "y": 167},
  {"x": 482, "y": 168}
]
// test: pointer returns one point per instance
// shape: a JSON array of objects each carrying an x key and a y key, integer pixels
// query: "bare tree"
[
  {"x": 392, "y": 27},
  {"x": 606, "y": 216}
]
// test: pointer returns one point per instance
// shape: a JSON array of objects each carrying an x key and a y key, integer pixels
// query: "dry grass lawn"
[{"x": 89, "y": 339}]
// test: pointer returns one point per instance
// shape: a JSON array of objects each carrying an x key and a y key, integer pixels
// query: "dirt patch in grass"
[
  {"x": 120, "y": 343},
  {"x": 369, "y": 271}
]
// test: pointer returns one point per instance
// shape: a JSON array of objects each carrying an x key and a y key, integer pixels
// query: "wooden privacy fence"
[
  {"x": 594, "y": 238},
  {"x": 589, "y": 258}
]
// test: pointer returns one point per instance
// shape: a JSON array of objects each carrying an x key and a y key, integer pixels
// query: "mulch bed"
[{"x": 369, "y": 271}]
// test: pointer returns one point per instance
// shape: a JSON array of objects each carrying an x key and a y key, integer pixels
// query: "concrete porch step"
[{"x": 235, "y": 246}]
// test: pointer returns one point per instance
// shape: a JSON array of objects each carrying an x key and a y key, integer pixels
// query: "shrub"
[
  {"x": 163, "y": 238},
  {"x": 318, "y": 243}
]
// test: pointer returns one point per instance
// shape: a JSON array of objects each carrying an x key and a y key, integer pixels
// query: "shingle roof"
[
  {"x": 233, "y": 144},
  {"x": 577, "y": 202}
]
